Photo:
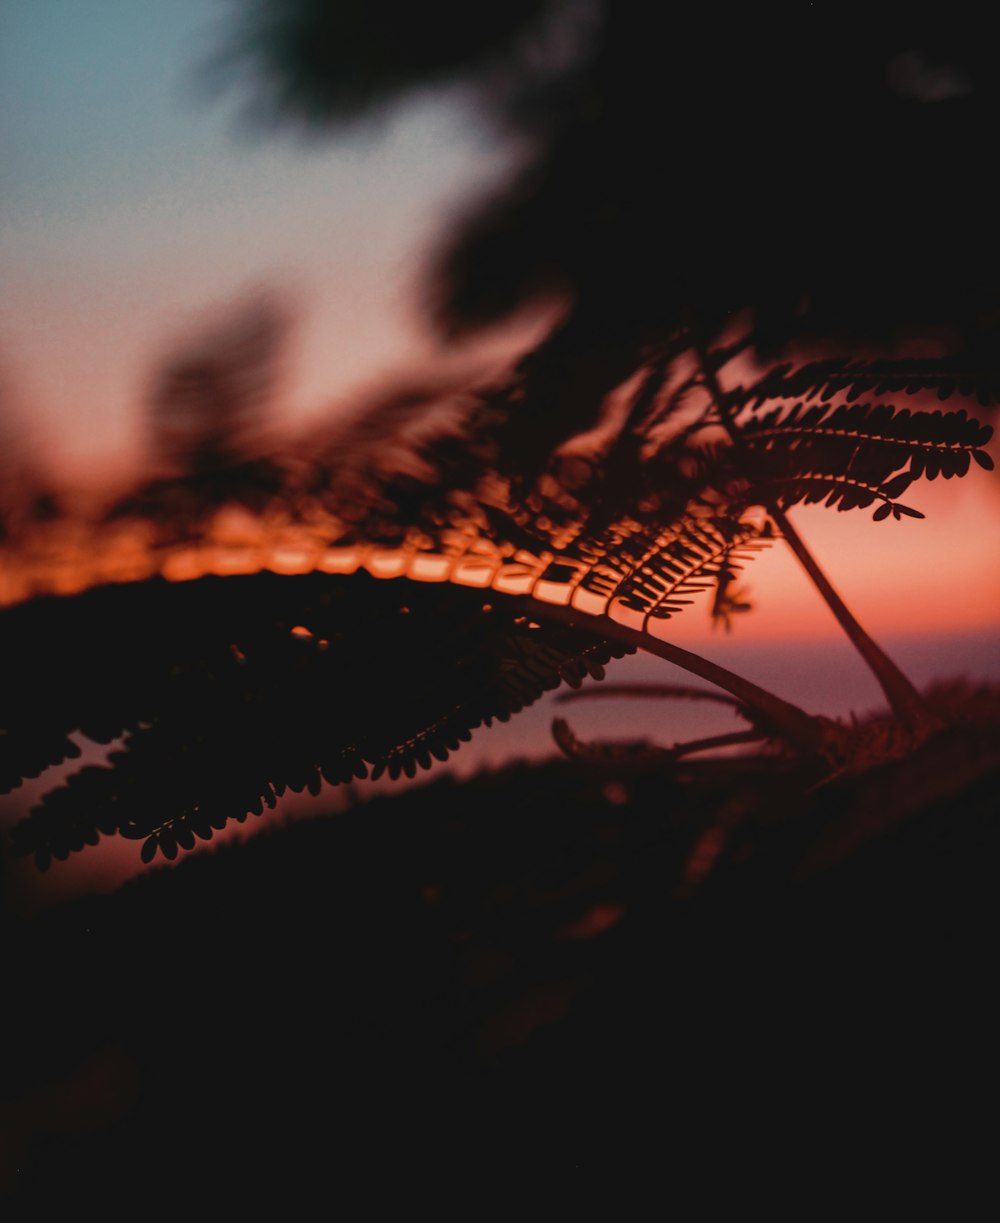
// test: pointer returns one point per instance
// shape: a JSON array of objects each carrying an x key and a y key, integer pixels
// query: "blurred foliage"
[
  {"x": 328, "y": 63},
  {"x": 810, "y": 171}
]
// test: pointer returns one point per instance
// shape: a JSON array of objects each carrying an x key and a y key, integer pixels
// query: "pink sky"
[{"x": 132, "y": 209}]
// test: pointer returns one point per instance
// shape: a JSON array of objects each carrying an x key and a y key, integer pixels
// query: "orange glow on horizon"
[{"x": 932, "y": 575}]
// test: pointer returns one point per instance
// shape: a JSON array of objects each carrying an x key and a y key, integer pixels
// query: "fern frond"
[
  {"x": 658, "y": 572},
  {"x": 322, "y": 686},
  {"x": 858, "y": 453},
  {"x": 966, "y": 376},
  {"x": 834, "y": 491},
  {"x": 532, "y": 659},
  {"x": 27, "y": 751}
]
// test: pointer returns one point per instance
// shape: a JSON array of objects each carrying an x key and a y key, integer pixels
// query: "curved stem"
[
  {"x": 904, "y": 700},
  {"x": 703, "y": 745},
  {"x": 652, "y": 692},
  {"x": 799, "y": 728}
]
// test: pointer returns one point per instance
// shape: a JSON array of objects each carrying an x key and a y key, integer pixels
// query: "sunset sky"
[{"x": 133, "y": 205}]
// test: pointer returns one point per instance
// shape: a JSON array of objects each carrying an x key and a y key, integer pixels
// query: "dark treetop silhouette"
[{"x": 770, "y": 265}]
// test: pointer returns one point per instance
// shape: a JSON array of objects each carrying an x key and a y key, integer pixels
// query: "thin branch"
[
  {"x": 804, "y": 731},
  {"x": 711, "y": 741},
  {"x": 653, "y": 692},
  {"x": 903, "y": 698}
]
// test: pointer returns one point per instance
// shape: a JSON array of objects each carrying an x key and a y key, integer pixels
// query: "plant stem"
[
  {"x": 799, "y": 728},
  {"x": 904, "y": 700},
  {"x": 703, "y": 745},
  {"x": 652, "y": 692}
]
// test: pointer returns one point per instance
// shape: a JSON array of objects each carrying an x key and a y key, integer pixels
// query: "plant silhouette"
[
  {"x": 775, "y": 291},
  {"x": 574, "y": 543},
  {"x": 577, "y": 569}
]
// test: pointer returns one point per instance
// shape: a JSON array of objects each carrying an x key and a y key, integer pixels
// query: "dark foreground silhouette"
[{"x": 549, "y": 970}]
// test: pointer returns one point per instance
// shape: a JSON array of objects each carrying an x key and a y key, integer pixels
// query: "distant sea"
[{"x": 824, "y": 677}]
